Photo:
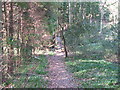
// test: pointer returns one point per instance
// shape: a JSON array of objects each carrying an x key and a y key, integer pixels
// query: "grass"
[
  {"x": 93, "y": 73},
  {"x": 31, "y": 74}
]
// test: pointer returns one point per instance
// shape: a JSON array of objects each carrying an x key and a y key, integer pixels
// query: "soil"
[{"x": 58, "y": 76}]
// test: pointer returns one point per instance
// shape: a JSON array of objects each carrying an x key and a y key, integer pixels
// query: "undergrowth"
[
  {"x": 31, "y": 73},
  {"x": 93, "y": 73}
]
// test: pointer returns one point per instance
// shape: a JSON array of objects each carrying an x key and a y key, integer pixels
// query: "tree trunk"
[
  {"x": 64, "y": 43},
  {"x": 70, "y": 14},
  {"x": 2, "y": 75},
  {"x": 119, "y": 40},
  {"x": 11, "y": 53},
  {"x": 101, "y": 19},
  {"x": 18, "y": 39},
  {"x": 5, "y": 36}
]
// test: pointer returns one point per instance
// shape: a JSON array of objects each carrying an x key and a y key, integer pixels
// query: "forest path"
[{"x": 58, "y": 76}]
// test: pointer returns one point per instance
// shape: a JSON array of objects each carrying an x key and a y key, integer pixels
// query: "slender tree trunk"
[
  {"x": 22, "y": 46},
  {"x": 118, "y": 40},
  {"x": 11, "y": 53},
  {"x": 5, "y": 36},
  {"x": 2, "y": 77},
  {"x": 70, "y": 14},
  {"x": 18, "y": 39},
  {"x": 64, "y": 43},
  {"x": 101, "y": 22},
  {"x": 101, "y": 5}
]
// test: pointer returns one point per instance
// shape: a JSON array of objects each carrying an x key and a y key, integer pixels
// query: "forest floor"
[{"x": 58, "y": 76}]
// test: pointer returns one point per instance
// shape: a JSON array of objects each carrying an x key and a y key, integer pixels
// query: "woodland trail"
[{"x": 58, "y": 76}]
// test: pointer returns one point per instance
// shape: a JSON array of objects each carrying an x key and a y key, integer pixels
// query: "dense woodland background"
[{"x": 89, "y": 37}]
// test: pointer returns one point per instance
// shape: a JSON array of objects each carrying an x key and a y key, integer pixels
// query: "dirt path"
[{"x": 58, "y": 76}]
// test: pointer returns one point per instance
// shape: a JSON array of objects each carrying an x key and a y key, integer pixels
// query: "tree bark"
[{"x": 11, "y": 53}]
